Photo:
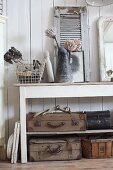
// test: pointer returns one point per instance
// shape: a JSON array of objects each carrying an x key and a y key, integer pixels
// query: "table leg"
[{"x": 23, "y": 125}]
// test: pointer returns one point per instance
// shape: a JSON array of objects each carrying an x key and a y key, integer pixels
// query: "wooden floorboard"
[{"x": 84, "y": 164}]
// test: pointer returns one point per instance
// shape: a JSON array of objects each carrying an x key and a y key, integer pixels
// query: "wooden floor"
[{"x": 84, "y": 164}]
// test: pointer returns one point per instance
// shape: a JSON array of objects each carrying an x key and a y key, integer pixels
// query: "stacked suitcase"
[
  {"x": 58, "y": 148},
  {"x": 68, "y": 148},
  {"x": 55, "y": 149},
  {"x": 56, "y": 122},
  {"x": 98, "y": 120},
  {"x": 97, "y": 148}
]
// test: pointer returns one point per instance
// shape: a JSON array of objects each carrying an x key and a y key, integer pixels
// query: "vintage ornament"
[{"x": 13, "y": 55}]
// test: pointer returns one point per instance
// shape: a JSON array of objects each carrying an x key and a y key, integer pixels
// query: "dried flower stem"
[
  {"x": 56, "y": 42},
  {"x": 51, "y": 34}
]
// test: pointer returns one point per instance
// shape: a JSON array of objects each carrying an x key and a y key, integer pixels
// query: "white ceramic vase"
[{"x": 49, "y": 68}]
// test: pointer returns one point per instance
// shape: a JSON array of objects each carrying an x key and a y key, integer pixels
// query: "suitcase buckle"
[
  {"x": 75, "y": 122},
  {"x": 37, "y": 123}
]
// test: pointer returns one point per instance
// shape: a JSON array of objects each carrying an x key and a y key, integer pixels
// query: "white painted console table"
[{"x": 57, "y": 90}]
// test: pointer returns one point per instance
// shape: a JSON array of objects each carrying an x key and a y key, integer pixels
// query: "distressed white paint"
[
  {"x": 18, "y": 35},
  {"x": 57, "y": 91},
  {"x": 27, "y": 21},
  {"x": 93, "y": 14},
  {"x": 23, "y": 125}
]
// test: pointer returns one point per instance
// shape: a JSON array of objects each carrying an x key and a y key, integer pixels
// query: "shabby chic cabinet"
[{"x": 57, "y": 90}]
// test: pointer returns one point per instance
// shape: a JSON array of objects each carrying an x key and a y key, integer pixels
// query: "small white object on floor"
[
  {"x": 15, "y": 143},
  {"x": 10, "y": 146}
]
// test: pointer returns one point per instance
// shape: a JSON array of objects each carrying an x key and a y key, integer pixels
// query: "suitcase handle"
[
  {"x": 55, "y": 125},
  {"x": 53, "y": 151}
]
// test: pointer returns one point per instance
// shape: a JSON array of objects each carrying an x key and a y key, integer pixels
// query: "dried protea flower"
[
  {"x": 50, "y": 32},
  {"x": 73, "y": 45},
  {"x": 13, "y": 55}
]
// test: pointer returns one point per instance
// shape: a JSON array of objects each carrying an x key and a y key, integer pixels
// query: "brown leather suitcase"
[
  {"x": 56, "y": 122},
  {"x": 54, "y": 149},
  {"x": 97, "y": 148}
]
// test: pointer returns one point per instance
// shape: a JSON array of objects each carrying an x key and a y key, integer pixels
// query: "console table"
[{"x": 57, "y": 90}]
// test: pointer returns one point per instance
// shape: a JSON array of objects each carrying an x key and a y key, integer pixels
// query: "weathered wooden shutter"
[
  {"x": 70, "y": 27},
  {"x": 71, "y": 23}
]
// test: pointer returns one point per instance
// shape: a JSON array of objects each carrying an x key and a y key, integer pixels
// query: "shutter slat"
[{"x": 70, "y": 27}]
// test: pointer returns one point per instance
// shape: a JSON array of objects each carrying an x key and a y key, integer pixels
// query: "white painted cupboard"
[{"x": 57, "y": 90}]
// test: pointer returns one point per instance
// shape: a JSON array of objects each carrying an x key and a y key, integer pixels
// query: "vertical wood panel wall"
[{"x": 25, "y": 30}]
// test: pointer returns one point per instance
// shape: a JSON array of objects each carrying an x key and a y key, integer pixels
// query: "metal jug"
[{"x": 63, "y": 70}]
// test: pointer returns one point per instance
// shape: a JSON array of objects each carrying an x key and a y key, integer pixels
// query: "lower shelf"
[{"x": 74, "y": 132}]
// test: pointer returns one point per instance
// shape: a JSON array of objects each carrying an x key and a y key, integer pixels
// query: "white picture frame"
[{"x": 105, "y": 59}]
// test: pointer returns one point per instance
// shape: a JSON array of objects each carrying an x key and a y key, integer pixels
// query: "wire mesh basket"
[
  {"x": 1, "y": 7},
  {"x": 30, "y": 73}
]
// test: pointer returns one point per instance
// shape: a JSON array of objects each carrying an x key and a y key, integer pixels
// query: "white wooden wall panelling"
[
  {"x": 59, "y": 2},
  {"x": 94, "y": 66},
  {"x": 2, "y": 122},
  {"x": 36, "y": 26},
  {"x": 71, "y": 3},
  {"x": 85, "y": 43},
  {"x": 36, "y": 30},
  {"x": 81, "y": 3},
  {"x": 35, "y": 105},
  {"x": 12, "y": 32},
  {"x": 73, "y": 103},
  {"x": 47, "y": 22},
  {"x": 48, "y": 43},
  {"x": 84, "y": 104},
  {"x": 106, "y": 11},
  {"x": 62, "y": 102},
  {"x": 49, "y": 103},
  {"x": 5, "y": 74},
  {"x": 24, "y": 34},
  {"x": 108, "y": 105},
  {"x": 93, "y": 14},
  {"x": 18, "y": 36},
  {"x": 96, "y": 103}
]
